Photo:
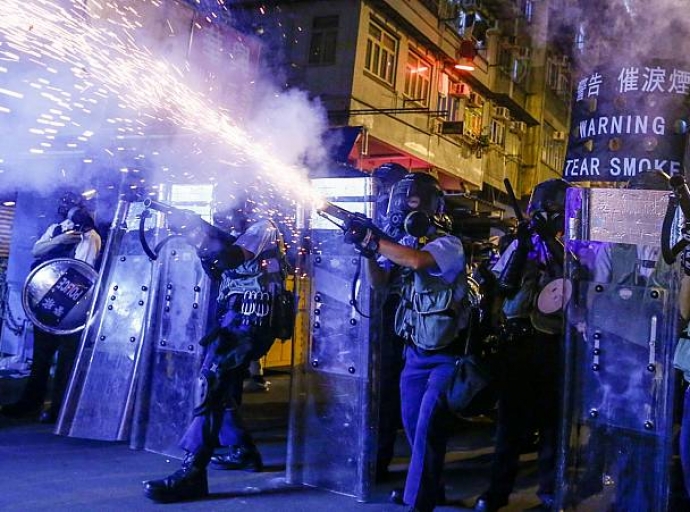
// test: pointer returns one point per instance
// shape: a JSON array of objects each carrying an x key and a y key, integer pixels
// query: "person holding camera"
[
  {"x": 74, "y": 237},
  {"x": 528, "y": 362},
  {"x": 246, "y": 254},
  {"x": 432, "y": 315}
]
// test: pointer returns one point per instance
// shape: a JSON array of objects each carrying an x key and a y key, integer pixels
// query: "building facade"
[{"x": 399, "y": 73}]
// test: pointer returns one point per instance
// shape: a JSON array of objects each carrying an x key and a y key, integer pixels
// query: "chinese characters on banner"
[{"x": 627, "y": 120}]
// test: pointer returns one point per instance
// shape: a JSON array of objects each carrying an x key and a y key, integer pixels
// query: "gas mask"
[
  {"x": 415, "y": 203},
  {"x": 68, "y": 201},
  {"x": 547, "y": 224},
  {"x": 547, "y": 206},
  {"x": 80, "y": 218}
]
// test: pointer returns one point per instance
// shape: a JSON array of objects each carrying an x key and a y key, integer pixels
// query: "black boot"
[
  {"x": 21, "y": 409},
  {"x": 187, "y": 483},
  {"x": 490, "y": 503},
  {"x": 245, "y": 457}
]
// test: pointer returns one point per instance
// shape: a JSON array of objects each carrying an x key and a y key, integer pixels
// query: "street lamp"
[{"x": 465, "y": 55}]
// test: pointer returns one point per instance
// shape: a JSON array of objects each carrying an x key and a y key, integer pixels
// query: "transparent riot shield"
[
  {"x": 333, "y": 409},
  {"x": 139, "y": 357},
  {"x": 620, "y": 333},
  {"x": 173, "y": 356},
  {"x": 100, "y": 397}
]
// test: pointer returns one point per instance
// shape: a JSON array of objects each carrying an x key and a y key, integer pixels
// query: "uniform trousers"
[
  {"x": 528, "y": 373},
  {"x": 217, "y": 419},
  {"x": 46, "y": 345},
  {"x": 427, "y": 422}
]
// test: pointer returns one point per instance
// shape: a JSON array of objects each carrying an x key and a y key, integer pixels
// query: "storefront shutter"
[{"x": 6, "y": 221}]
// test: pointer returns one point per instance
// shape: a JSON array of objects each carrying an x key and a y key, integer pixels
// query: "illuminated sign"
[{"x": 627, "y": 120}]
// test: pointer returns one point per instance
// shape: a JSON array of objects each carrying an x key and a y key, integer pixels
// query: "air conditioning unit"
[
  {"x": 469, "y": 135},
  {"x": 475, "y": 100},
  {"x": 518, "y": 127},
  {"x": 452, "y": 127},
  {"x": 459, "y": 89},
  {"x": 502, "y": 112},
  {"x": 559, "y": 136}
]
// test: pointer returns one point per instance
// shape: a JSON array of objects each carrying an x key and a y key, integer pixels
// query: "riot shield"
[
  {"x": 165, "y": 403},
  {"x": 141, "y": 345},
  {"x": 109, "y": 354},
  {"x": 620, "y": 332},
  {"x": 57, "y": 295},
  {"x": 333, "y": 409}
]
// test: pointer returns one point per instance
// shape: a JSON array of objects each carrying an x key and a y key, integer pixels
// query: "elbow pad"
[
  {"x": 510, "y": 280},
  {"x": 230, "y": 257},
  {"x": 217, "y": 260}
]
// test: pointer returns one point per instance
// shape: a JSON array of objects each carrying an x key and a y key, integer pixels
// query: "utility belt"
[
  {"x": 458, "y": 346},
  {"x": 516, "y": 330},
  {"x": 255, "y": 308},
  {"x": 252, "y": 306}
]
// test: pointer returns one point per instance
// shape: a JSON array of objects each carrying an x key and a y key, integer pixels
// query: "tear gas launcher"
[
  {"x": 355, "y": 227},
  {"x": 184, "y": 223}
]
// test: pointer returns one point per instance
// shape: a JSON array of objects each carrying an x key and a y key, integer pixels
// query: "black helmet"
[
  {"x": 548, "y": 196},
  {"x": 385, "y": 176},
  {"x": 388, "y": 175},
  {"x": 547, "y": 206},
  {"x": 649, "y": 180},
  {"x": 69, "y": 200},
  {"x": 82, "y": 218},
  {"x": 415, "y": 203}
]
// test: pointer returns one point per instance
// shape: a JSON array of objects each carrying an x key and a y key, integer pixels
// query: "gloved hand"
[
  {"x": 524, "y": 234},
  {"x": 183, "y": 221},
  {"x": 685, "y": 260},
  {"x": 365, "y": 237}
]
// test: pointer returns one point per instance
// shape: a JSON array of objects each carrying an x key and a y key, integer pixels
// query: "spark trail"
[{"x": 78, "y": 61}]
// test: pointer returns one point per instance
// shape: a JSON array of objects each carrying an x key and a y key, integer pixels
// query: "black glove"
[
  {"x": 524, "y": 234},
  {"x": 685, "y": 260},
  {"x": 365, "y": 237},
  {"x": 183, "y": 221}
]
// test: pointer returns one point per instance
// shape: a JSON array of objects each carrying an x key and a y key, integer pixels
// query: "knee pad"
[{"x": 204, "y": 387}]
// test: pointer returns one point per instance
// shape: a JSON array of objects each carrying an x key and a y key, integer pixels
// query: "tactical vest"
[
  {"x": 252, "y": 294},
  {"x": 265, "y": 273},
  {"x": 431, "y": 314}
]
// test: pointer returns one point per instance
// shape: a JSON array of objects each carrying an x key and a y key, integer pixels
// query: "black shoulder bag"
[{"x": 471, "y": 389}]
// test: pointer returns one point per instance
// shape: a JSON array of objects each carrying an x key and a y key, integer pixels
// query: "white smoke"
[{"x": 622, "y": 30}]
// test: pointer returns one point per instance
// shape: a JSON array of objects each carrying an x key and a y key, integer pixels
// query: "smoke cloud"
[
  {"x": 621, "y": 30},
  {"x": 96, "y": 90}
]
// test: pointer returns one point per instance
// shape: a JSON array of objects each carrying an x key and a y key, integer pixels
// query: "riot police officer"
[
  {"x": 529, "y": 355},
  {"x": 247, "y": 257},
  {"x": 389, "y": 421},
  {"x": 431, "y": 316},
  {"x": 75, "y": 236}
]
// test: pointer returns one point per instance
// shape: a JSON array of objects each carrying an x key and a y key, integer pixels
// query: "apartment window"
[
  {"x": 473, "y": 122},
  {"x": 382, "y": 49},
  {"x": 417, "y": 79},
  {"x": 527, "y": 8},
  {"x": 451, "y": 105},
  {"x": 558, "y": 77},
  {"x": 553, "y": 147},
  {"x": 324, "y": 40},
  {"x": 497, "y": 132}
]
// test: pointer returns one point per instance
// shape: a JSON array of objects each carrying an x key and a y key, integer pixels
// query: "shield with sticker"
[{"x": 619, "y": 338}]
